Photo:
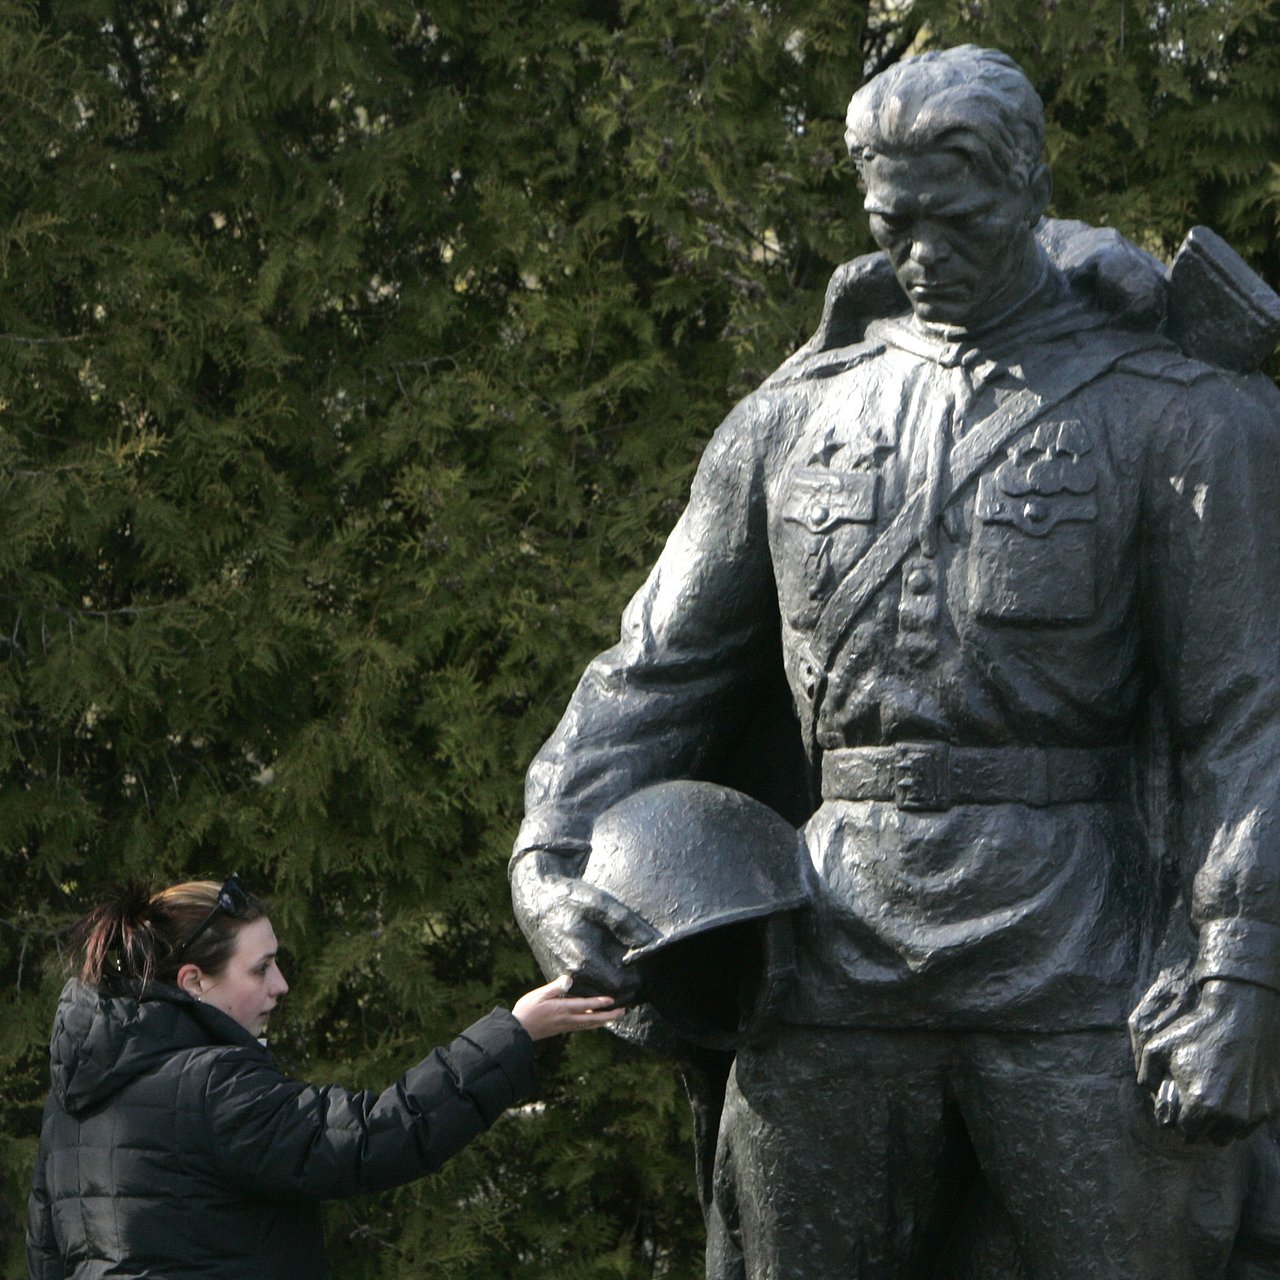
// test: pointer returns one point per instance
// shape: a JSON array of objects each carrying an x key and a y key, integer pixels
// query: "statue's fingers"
[
  {"x": 595, "y": 975},
  {"x": 1163, "y": 1006},
  {"x": 1153, "y": 1061},
  {"x": 607, "y": 913},
  {"x": 1168, "y": 1103},
  {"x": 1206, "y": 1116}
]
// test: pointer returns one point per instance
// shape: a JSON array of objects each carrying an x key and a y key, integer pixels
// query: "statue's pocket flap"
[
  {"x": 820, "y": 500},
  {"x": 1035, "y": 514}
]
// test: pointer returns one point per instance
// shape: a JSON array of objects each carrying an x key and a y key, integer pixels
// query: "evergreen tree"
[{"x": 355, "y": 356}]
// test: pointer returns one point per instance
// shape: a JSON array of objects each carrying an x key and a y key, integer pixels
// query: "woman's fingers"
[{"x": 550, "y": 1011}]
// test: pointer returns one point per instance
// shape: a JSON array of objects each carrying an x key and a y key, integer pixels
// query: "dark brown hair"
[{"x": 136, "y": 936}]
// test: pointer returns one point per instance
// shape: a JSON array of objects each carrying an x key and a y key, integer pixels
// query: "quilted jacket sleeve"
[{"x": 284, "y": 1138}]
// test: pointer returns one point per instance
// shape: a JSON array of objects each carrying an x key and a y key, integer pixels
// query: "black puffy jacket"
[{"x": 173, "y": 1147}]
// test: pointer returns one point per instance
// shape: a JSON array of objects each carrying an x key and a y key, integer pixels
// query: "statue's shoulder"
[
  {"x": 1180, "y": 405},
  {"x": 801, "y": 376},
  {"x": 750, "y": 435},
  {"x": 770, "y": 417},
  {"x": 1164, "y": 402},
  {"x": 858, "y": 292},
  {"x": 1125, "y": 282},
  {"x": 1160, "y": 360},
  {"x": 1199, "y": 383}
]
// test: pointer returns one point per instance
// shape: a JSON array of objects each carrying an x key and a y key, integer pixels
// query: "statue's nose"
[{"x": 928, "y": 249}]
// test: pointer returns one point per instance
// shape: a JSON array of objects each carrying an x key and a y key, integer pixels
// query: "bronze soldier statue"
[{"x": 1000, "y": 534}]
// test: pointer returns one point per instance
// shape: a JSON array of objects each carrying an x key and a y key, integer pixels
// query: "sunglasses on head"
[{"x": 233, "y": 898}]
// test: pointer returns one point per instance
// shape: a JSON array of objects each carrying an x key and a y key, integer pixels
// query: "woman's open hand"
[{"x": 551, "y": 1011}]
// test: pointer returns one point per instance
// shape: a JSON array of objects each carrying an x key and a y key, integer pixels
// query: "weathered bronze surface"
[{"x": 981, "y": 590}]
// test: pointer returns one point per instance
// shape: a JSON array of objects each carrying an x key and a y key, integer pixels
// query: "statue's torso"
[{"x": 1024, "y": 619}]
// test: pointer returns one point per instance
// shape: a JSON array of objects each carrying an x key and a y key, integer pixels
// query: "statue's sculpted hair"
[{"x": 968, "y": 99}]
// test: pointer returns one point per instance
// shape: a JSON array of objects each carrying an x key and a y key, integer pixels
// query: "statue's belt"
[{"x": 932, "y": 776}]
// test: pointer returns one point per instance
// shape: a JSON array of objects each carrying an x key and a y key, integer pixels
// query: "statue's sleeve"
[
  {"x": 1213, "y": 551},
  {"x": 694, "y": 640}
]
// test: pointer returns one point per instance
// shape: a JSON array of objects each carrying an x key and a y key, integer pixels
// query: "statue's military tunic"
[{"x": 985, "y": 899}]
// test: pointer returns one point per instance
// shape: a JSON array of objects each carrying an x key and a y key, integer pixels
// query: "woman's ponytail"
[{"x": 119, "y": 939}]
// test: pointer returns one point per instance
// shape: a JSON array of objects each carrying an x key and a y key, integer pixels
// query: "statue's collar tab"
[{"x": 928, "y": 344}]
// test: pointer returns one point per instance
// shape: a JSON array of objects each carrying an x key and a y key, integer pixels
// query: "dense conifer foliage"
[{"x": 354, "y": 359}]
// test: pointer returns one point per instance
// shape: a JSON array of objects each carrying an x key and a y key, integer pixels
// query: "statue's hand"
[
  {"x": 1173, "y": 993},
  {"x": 576, "y": 929},
  {"x": 1216, "y": 1069}
]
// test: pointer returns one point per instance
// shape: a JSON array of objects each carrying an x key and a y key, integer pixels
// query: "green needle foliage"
[{"x": 355, "y": 356}]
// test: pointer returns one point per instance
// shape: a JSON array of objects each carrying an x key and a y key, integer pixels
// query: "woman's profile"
[{"x": 173, "y": 1146}]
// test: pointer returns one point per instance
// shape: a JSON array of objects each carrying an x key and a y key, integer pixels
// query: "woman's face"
[{"x": 251, "y": 985}]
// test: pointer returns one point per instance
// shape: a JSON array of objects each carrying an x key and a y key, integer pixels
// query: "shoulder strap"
[{"x": 968, "y": 457}]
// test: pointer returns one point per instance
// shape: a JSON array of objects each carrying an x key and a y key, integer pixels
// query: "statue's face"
[{"x": 959, "y": 243}]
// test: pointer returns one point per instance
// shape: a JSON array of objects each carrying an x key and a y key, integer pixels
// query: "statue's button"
[
  {"x": 1035, "y": 511},
  {"x": 818, "y": 512},
  {"x": 919, "y": 581}
]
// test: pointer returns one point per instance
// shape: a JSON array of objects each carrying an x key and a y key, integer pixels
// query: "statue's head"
[
  {"x": 948, "y": 146},
  {"x": 975, "y": 101}
]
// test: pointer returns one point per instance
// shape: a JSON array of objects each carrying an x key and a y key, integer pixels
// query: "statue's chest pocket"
[
  {"x": 1033, "y": 556},
  {"x": 828, "y": 519}
]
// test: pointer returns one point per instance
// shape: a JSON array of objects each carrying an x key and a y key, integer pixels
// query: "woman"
[{"x": 172, "y": 1146}]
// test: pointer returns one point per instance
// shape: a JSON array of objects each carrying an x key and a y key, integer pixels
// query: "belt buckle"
[{"x": 921, "y": 776}]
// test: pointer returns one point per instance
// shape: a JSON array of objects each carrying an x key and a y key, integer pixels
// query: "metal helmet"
[{"x": 716, "y": 875}]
